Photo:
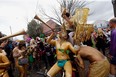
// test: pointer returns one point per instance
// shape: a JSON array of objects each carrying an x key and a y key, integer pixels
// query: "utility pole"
[
  {"x": 114, "y": 7},
  {"x": 11, "y": 31}
]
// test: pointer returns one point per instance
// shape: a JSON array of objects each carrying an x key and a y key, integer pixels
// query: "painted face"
[{"x": 63, "y": 35}]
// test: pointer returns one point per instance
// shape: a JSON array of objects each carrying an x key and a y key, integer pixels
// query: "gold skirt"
[{"x": 99, "y": 68}]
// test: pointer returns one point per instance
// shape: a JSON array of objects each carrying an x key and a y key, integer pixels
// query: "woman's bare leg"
[
  {"x": 54, "y": 70},
  {"x": 68, "y": 69}
]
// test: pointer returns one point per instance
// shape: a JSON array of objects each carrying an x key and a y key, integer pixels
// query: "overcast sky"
[{"x": 17, "y": 13}]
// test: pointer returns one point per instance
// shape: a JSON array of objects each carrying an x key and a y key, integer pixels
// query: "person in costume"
[
  {"x": 112, "y": 53},
  {"x": 62, "y": 50},
  {"x": 99, "y": 65},
  {"x": 67, "y": 21},
  {"x": 101, "y": 41},
  {"x": 4, "y": 61},
  {"x": 19, "y": 52}
]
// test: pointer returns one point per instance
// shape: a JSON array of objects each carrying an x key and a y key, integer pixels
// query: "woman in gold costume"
[
  {"x": 63, "y": 59},
  {"x": 18, "y": 53},
  {"x": 4, "y": 61}
]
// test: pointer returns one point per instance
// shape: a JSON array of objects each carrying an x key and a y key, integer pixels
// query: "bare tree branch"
[{"x": 70, "y": 5}]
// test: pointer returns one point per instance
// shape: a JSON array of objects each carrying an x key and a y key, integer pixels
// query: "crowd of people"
[
  {"x": 54, "y": 53},
  {"x": 22, "y": 56}
]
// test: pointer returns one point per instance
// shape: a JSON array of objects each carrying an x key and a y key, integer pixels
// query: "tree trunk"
[{"x": 114, "y": 7}]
